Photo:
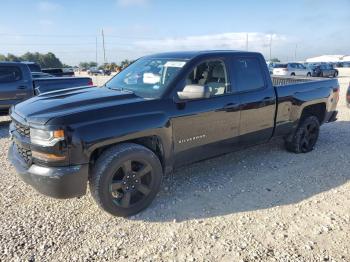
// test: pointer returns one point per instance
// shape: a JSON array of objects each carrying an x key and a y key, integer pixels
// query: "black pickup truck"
[
  {"x": 17, "y": 84},
  {"x": 161, "y": 112}
]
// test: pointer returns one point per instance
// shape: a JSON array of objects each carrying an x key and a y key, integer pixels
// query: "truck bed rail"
[{"x": 282, "y": 80}]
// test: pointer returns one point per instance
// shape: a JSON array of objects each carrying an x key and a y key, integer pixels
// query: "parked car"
[
  {"x": 59, "y": 72},
  {"x": 324, "y": 70},
  {"x": 33, "y": 67},
  {"x": 94, "y": 71},
  {"x": 345, "y": 64},
  {"x": 41, "y": 75},
  {"x": 348, "y": 96},
  {"x": 17, "y": 84},
  {"x": 291, "y": 69},
  {"x": 161, "y": 112}
]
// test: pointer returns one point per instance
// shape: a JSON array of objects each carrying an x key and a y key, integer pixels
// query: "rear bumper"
[{"x": 57, "y": 182}]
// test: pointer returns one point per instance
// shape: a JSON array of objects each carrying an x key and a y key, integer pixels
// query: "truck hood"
[{"x": 40, "y": 109}]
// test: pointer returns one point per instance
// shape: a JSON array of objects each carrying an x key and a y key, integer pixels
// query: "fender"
[{"x": 87, "y": 138}]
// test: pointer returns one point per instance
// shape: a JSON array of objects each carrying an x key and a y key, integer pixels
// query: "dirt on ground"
[{"x": 259, "y": 204}]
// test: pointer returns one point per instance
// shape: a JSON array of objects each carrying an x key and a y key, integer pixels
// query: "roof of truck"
[{"x": 186, "y": 55}]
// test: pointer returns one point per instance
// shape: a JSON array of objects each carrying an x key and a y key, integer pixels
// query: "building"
[{"x": 328, "y": 58}]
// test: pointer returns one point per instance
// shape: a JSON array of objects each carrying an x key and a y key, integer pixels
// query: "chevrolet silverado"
[{"x": 163, "y": 111}]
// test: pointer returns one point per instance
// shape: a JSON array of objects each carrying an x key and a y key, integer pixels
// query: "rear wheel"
[
  {"x": 335, "y": 74},
  {"x": 305, "y": 137},
  {"x": 125, "y": 179},
  {"x": 308, "y": 74},
  {"x": 292, "y": 74}
]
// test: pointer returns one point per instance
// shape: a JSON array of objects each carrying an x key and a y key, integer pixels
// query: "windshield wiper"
[{"x": 120, "y": 89}]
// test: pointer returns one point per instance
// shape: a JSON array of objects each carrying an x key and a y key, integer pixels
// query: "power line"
[{"x": 76, "y": 36}]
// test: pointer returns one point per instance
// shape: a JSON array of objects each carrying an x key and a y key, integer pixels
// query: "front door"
[{"x": 210, "y": 126}]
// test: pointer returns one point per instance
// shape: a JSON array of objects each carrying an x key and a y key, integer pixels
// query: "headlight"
[{"x": 45, "y": 138}]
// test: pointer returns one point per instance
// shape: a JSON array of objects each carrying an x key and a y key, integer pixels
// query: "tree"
[
  {"x": 84, "y": 65},
  {"x": 2, "y": 58},
  {"x": 44, "y": 60},
  {"x": 275, "y": 60}
]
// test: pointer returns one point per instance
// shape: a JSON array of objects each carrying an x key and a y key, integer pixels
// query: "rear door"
[
  {"x": 14, "y": 87},
  {"x": 257, "y": 98}
]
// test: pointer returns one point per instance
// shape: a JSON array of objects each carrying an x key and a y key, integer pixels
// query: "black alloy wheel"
[
  {"x": 304, "y": 138},
  {"x": 309, "y": 137},
  {"x": 125, "y": 179},
  {"x": 131, "y": 183}
]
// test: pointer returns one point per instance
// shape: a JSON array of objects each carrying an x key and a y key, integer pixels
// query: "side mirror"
[{"x": 194, "y": 92}]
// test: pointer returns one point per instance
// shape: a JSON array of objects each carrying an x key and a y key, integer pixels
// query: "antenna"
[{"x": 104, "y": 49}]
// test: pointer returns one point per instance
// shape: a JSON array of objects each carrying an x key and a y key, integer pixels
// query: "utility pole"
[
  {"x": 104, "y": 49},
  {"x": 270, "y": 45},
  {"x": 247, "y": 42},
  {"x": 295, "y": 52},
  {"x": 96, "y": 51}
]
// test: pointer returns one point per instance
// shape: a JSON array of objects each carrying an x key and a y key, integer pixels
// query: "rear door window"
[
  {"x": 247, "y": 74},
  {"x": 10, "y": 74}
]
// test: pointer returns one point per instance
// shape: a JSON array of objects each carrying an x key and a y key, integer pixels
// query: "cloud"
[
  {"x": 127, "y": 3},
  {"x": 46, "y": 6},
  {"x": 256, "y": 41},
  {"x": 45, "y": 22}
]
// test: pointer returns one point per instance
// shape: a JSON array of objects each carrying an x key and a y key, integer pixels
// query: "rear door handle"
[
  {"x": 268, "y": 98},
  {"x": 22, "y": 87},
  {"x": 231, "y": 107}
]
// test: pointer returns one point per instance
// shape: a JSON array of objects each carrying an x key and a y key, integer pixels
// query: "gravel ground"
[{"x": 260, "y": 204}]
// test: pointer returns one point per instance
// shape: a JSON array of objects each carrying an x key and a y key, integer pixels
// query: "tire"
[
  {"x": 292, "y": 74},
  {"x": 304, "y": 139},
  {"x": 335, "y": 74},
  {"x": 308, "y": 74},
  {"x": 125, "y": 179}
]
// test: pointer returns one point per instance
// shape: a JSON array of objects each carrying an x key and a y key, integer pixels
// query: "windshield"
[{"x": 147, "y": 77}]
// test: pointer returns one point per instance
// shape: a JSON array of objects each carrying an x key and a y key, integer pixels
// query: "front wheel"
[
  {"x": 304, "y": 138},
  {"x": 308, "y": 74},
  {"x": 125, "y": 179}
]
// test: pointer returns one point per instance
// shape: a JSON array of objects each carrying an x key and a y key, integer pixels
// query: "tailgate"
[{"x": 44, "y": 85}]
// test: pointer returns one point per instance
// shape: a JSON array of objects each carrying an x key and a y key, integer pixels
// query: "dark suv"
[{"x": 324, "y": 70}]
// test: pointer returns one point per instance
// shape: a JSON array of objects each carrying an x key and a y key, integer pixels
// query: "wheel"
[
  {"x": 305, "y": 137},
  {"x": 292, "y": 74},
  {"x": 335, "y": 74},
  {"x": 308, "y": 74},
  {"x": 125, "y": 179}
]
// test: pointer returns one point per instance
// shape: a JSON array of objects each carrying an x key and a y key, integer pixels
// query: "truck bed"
[{"x": 283, "y": 80}]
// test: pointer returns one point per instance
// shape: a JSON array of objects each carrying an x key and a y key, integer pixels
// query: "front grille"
[
  {"x": 22, "y": 129},
  {"x": 26, "y": 154}
]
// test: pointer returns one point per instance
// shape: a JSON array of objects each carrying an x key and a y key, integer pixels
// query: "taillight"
[{"x": 90, "y": 83}]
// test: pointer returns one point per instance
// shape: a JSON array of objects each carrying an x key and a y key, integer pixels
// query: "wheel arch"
[
  {"x": 318, "y": 110},
  {"x": 152, "y": 142}
]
